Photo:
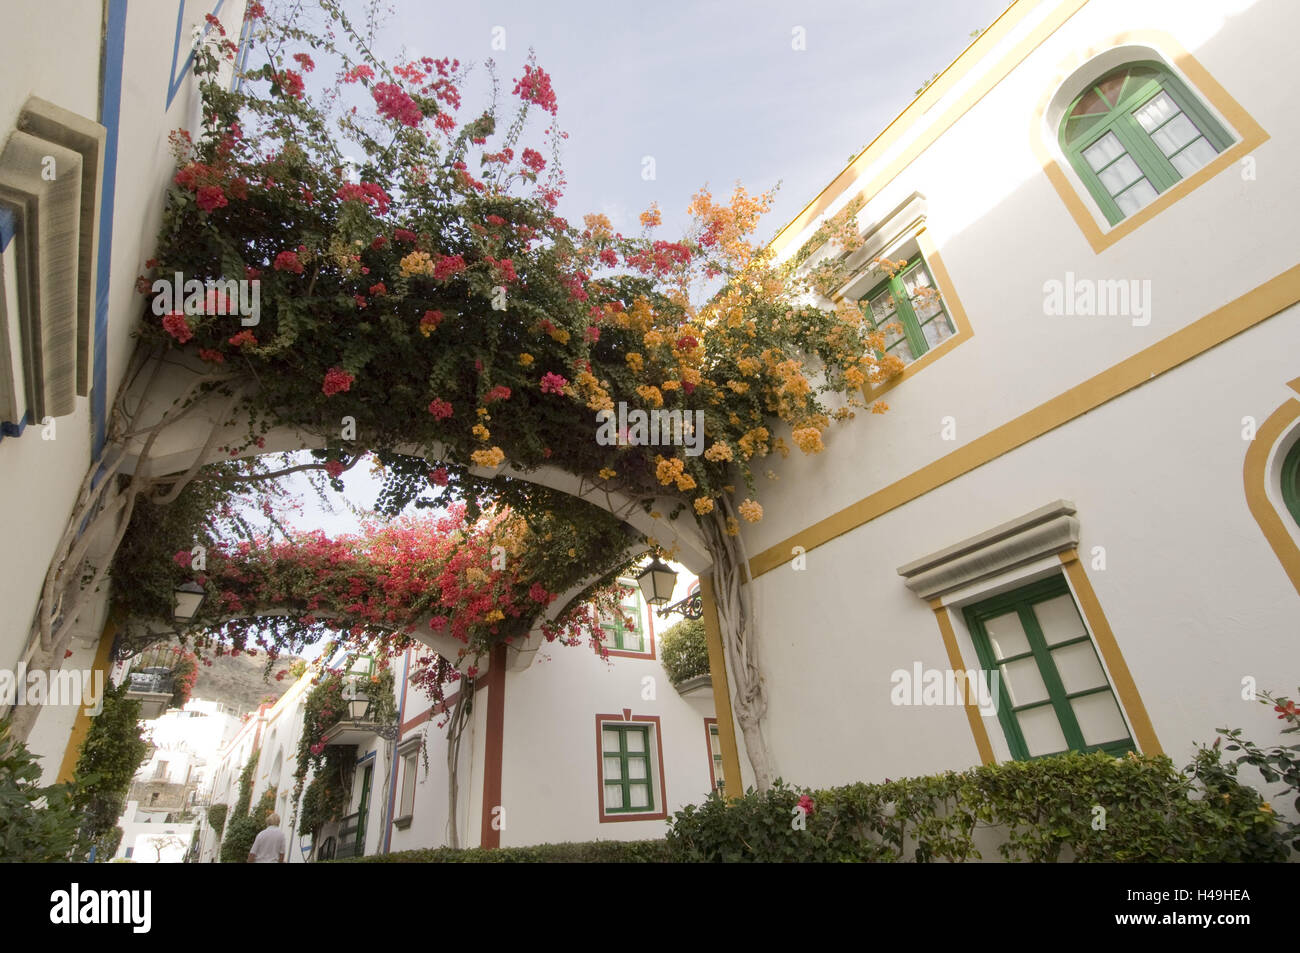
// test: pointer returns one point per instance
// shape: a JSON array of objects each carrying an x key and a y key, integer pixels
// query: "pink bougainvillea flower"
[
  {"x": 305, "y": 62},
  {"x": 336, "y": 381},
  {"x": 288, "y": 261},
  {"x": 211, "y": 197},
  {"x": 176, "y": 325},
  {"x": 404, "y": 235},
  {"x": 553, "y": 383},
  {"x": 334, "y": 468},
  {"x": 448, "y": 265},
  {"x": 439, "y": 477},
  {"x": 182, "y": 558},
  {"x": 440, "y": 408},
  {"x": 533, "y": 160},
  {"x": 243, "y": 337},
  {"x": 535, "y": 87},
  {"x": 213, "y": 357},
  {"x": 806, "y": 805},
  {"x": 497, "y": 393},
  {"x": 395, "y": 103},
  {"x": 291, "y": 84},
  {"x": 358, "y": 73}
]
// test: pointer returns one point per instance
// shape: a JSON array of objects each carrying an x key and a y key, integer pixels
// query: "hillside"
[{"x": 241, "y": 682}]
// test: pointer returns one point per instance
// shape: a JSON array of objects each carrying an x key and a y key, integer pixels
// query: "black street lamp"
[
  {"x": 189, "y": 596},
  {"x": 657, "y": 582}
]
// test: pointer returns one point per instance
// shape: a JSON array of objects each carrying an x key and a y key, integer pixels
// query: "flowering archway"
[{"x": 427, "y": 305}]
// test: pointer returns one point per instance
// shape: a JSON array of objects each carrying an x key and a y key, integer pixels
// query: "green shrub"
[
  {"x": 217, "y": 817},
  {"x": 240, "y": 834},
  {"x": 1073, "y": 807},
  {"x": 37, "y": 824},
  {"x": 685, "y": 651},
  {"x": 107, "y": 762},
  {"x": 588, "y": 852}
]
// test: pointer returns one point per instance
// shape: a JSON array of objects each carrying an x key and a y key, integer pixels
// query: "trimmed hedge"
[
  {"x": 589, "y": 852},
  {"x": 1085, "y": 808},
  {"x": 1076, "y": 807}
]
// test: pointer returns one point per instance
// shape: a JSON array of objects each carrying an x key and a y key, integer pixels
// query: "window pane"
[
  {"x": 1159, "y": 110},
  {"x": 613, "y": 768},
  {"x": 639, "y": 795},
  {"x": 1136, "y": 198},
  {"x": 1059, "y": 619},
  {"x": 1078, "y": 667},
  {"x": 1024, "y": 682},
  {"x": 937, "y": 330},
  {"x": 1041, "y": 731},
  {"x": 613, "y": 797},
  {"x": 636, "y": 769},
  {"x": 1193, "y": 157},
  {"x": 1120, "y": 174},
  {"x": 903, "y": 351},
  {"x": 882, "y": 307},
  {"x": 1175, "y": 134},
  {"x": 1099, "y": 718},
  {"x": 611, "y": 740},
  {"x": 1007, "y": 635},
  {"x": 636, "y": 740},
  {"x": 1104, "y": 151}
]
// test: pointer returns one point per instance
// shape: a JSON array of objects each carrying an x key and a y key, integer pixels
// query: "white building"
[
  {"x": 563, "y": 746},
  {"x": 1086, "y": 479}
]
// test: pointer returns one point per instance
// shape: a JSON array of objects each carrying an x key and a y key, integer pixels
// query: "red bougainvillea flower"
[
  {"x": 291, "y": 84},
  {"x": 533, "y": 160},
  {"x": 497, "y": 393},
  {"x": 176, "y": 325},
  {"x": 537, "y": 592},
  {"x": 439, "y": 477},
  {"x": 553, "y": 383},
  {"x": 393, "y": 102},
  {"x": 336, "y": 381},
  {"x": 334, "y": 468},
  {"x": 243, "y": 337},
  {"x": 404, "y": 235},
  {"x": 1287, "y": 710},
  {"x": 255, "y": 11},
  {"x": 593, "y": 333},
  {"x": 182, "y": 558},
  {"x": 379, "y": 242},
  {"x": 535, "y": 87},
  {"x": 211, "y": 197},
  {"x": 378, "y": 289},
  {"x": 252, "y": 274},
  {"x": 214, "y": 357},
  {"x": 288, "y": 261},
  {"x": 366, "y": 192},
  {"x": 806, "y": 805},
  {"x": 429, "y": 323},
  {"x": 448, "y": 265},
  {"x": 318, "y": 747},
  {"x": 305, "y": 62},
  {"x": 687, "y": 343},
  {"x": 440, "y": 408},
  {"x": 495, "y": 220},
  {"x": 358, "y": 73}
]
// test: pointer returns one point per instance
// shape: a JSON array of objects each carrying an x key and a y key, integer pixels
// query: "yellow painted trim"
[
  {"x": 962, "y": 328},
  {"x": 977, "y": 729},
  {"x": 1216, "y": 327},
  {"x": 734, "y": 784},
  {"x": 1121, "y": 677},
  {"x": 1255, "y": 475},
  {"x": 81, "y": 725},
  {"x": 915, "y": 112},
  {"x": 1102, "y": 236}
]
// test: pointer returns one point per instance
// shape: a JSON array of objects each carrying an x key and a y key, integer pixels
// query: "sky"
[{"x": 714, "y": 91}]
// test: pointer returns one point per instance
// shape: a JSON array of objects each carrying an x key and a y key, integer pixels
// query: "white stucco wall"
[{"x": 1195, "y": 596}]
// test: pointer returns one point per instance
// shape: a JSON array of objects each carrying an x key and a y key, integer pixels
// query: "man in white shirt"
[{"x": 268, "y": 846}]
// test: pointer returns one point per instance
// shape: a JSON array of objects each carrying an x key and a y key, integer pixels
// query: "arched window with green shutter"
[
  {"x": 1135, "y": 132},
  {"x": 1291, "y": 482}
]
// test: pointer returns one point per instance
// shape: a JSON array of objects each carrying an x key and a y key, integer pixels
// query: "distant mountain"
[{"x": 242, "y": 682}]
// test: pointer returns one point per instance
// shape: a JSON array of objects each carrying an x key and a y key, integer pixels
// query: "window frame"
[
  {"x": 717, "y": 776},
  {"x": 634, "y": 608},
  {"x": 654, "y": 757},
  {"x": 1290, "y": 475},
  {"x": 904, "y": 313},
  {"x": 1022, "y": 600},
  {"x": 1154, "y": 165}
]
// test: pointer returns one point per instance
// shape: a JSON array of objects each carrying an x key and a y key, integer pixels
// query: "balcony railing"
[
  {"x": 154, "y": 682},
  {"x": 351, "y": 837}
]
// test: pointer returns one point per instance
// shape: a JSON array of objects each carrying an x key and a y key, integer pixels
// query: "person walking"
[{"x": 268, "y": 846}]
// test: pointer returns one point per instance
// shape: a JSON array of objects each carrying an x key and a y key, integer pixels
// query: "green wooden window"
[
  {"x": 909, "y": 309},
  {"x": 617, "y": 635},
  {"x": 715, "y": 749},
  {"x": 1053, "y": 694},
  {"x": 625, "y": 753},
  {"x": 1135, "y": 132},
  {"x": 1291, "y": 482}
]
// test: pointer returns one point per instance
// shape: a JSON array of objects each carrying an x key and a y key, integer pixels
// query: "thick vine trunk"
[{"x": 739, "y": 642}]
